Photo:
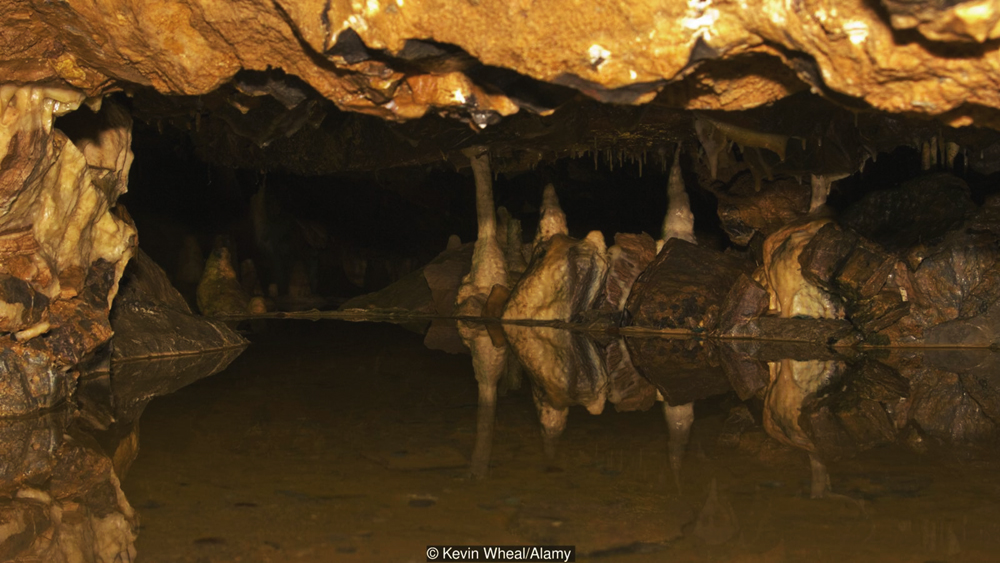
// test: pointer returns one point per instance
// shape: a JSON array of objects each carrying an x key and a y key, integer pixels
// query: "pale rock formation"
[
  {"x": 552, "y": 220},
  {"x": 564, "y": 279},
  {"x": 565, "y": 275},
  {"x": 790, "y": 294},
  {"x": 679, "y": 221},
  {"x": 61, "y": 244},
  {"x": 488, "y": 264}
]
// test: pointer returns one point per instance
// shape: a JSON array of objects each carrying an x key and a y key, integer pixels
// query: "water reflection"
[
  {"x": 829, "y": 403},
  {"x": 60, "y": 471}
]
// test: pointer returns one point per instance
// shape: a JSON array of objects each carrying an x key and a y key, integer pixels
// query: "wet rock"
[
  {"x": 683, "y": 371},
  {"x": 488, "y": 262},
  {"x": 946, "y": 276},
  {"x": 22, "y": 306},
  {"x": 444, "y": 274},
  {"x": 825, "y": 254},
  {"x": 152, "y": 319},
  {"x": 745, "y": 211},
  {"x": 878, "y": 313},
  {"x": 747, "y": 300},
  {"x": 627, "y": 259},
  {"x": 920, "y": 211},
  {"x": 849, "y": 417},
  {"x": 791, "y": 294},
  {"x": 60, "y": 238},
  {"x": 820, "y": 331},
  {"x": 564, "y": 279},
  {"x": 684, "y": 287},
  {"x": 865, "y": 271}
]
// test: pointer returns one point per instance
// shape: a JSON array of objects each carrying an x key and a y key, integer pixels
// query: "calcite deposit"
[{"x": 63, "y": 245}]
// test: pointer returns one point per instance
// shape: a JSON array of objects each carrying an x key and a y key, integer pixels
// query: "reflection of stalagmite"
[
  {"x": 565, "y": 276},
  {"x": 791, "y": 295},
  {"x": 488, "y": 267},
  {"x": 791, "y": 382},
  {"x": 489, "y": 361},
  {"x": 679, "y": 221},
  {"x": 565, "y": 369},
  {"x": 679, "y": 421}
]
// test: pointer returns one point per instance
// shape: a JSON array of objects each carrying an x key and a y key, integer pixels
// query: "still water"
[{"x": 330, "y": 441}]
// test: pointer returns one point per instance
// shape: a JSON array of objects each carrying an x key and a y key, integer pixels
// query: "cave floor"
[{"x": 335, "y": 441}]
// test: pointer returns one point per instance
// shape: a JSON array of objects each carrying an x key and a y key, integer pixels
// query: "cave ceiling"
[{"x": 323, "y": 86}]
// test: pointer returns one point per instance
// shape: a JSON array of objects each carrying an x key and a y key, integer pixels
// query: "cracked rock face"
[
  {"x": 62, "y": 247},
  {"x": 930, "y": 58}
]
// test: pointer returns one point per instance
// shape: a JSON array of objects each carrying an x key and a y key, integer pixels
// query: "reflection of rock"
[
  {"x": 717, "y": 522},
  {"x": 792, "y": 382},
  {"x": 852, "y": 417},
  {"x": 151, "y": 319},
  {"x": 565, "y": 370},
  {"x": 135, "y": 382},
  {"x": 683, "y": 371},
  {"x": 627, "y": 389},
  {"x": 67, "y": 504},
  {"x": 684, "y": 287}
]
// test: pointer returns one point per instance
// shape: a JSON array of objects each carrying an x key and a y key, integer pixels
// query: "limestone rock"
[
  {"x": 745, "y": 211},
  {"x": 684, "y": 287},
  {"x": 921, "y": 211},
  {"x": 791, "y": 294},
  {"x": 627, "y": 259},
  {"x": 563, "y": 279},
  {"x": 746, "y": 301},
  {"x": 152, "y": 319}
]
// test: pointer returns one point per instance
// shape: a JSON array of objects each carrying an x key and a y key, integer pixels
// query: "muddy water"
[{"x": 354, "y": 442}]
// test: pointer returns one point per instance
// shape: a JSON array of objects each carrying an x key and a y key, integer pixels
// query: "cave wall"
[{"x": 927, "y": 58}]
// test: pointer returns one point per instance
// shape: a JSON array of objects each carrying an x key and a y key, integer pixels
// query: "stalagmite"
[
  {"x": 679, "y": 221},
  {"x": 552, "y": 221},
  {"x": 488, "y": 267}
]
